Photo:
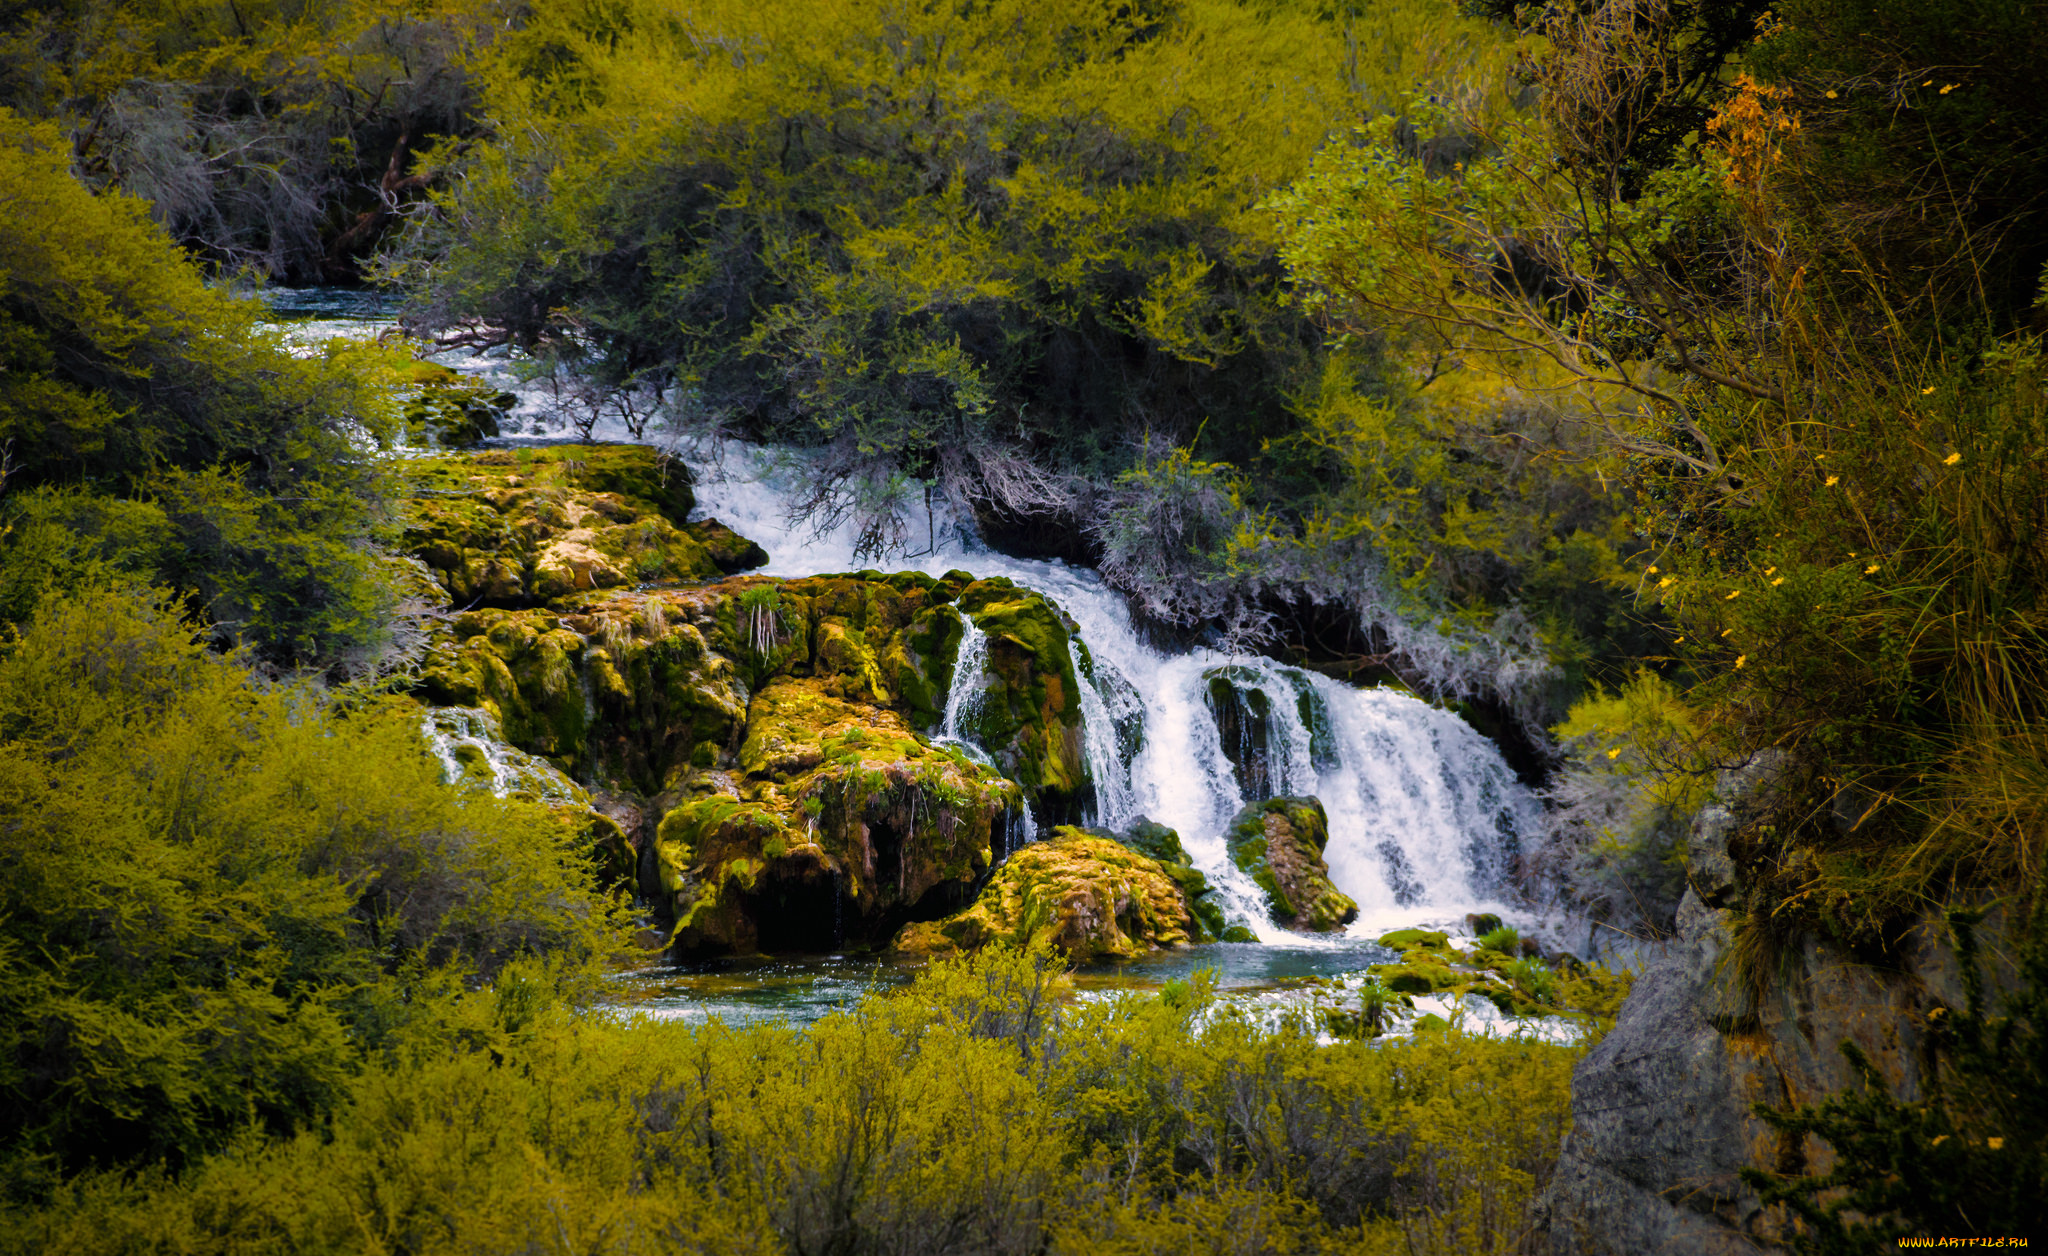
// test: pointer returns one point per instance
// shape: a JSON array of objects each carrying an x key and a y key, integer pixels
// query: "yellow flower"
[
  {"x": 1666, "y": 582},
  {"x": 1775, "y": 583},
  {"x": 1769, "y": 570},
  {"x": 1726, "y": 631},
  {"x": 1994, "y": 1143},
  {"x": 1926, "y": 390},
  {"x": 1951, "y": 87},
  {"x": 1871, "y": 570},
  {"x": 1832, "y": 481},
  {"x": 1951, "y": 460},
  {"x": 1740, "y": 659},
  {"x": 1732, "y": 596},
  {"x": 1652, "y": 570},
  {"x": 1678, "y": 641},
  {"x": 1614, "y": 753},
  {"x": 1831, "y": 93}
]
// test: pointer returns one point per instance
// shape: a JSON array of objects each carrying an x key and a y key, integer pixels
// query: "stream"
[{"x": 1426, "y": 820}]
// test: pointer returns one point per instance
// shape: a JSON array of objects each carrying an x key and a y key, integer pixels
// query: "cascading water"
[
  {"x": 970, "y": 661},
  {"x": 471, "y": 748},
  {"x": 1425, "y": 818}
]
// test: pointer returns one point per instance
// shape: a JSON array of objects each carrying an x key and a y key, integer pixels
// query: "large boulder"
[
  {"x": 1090, "y": 896},
  {"x": 1663, "y": 1108},
  {"x": 1279, "y": 844},
  {"x": 835, "y": 814}
]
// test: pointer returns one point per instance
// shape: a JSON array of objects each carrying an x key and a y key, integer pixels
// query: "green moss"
[
  {"x": 1415, "y": 978},
  {"x": 1030, "y": 713},
  {"x": 1409, "y": 939},
  {"x": 511, "y": 530},
  {"x": 1087, "y": 895}
]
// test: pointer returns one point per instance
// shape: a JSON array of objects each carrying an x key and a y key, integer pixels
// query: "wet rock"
[
  {"x": 1279, "y": 843},
  {"x": 1244, "y": 721},
  {"x": 1156, "y": 841},
  {"x": 1029, "y": 714},
  {"x": 1087, "y": 895},
  {"x": 732, "y": 552}
]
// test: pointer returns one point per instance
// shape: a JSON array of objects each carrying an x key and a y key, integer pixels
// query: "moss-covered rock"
[
  {"x": 516, "y": 528},
  {"x": 732, "y": 552},
  {"x": 1156, "y": 841},
  {"x": 1028, "y": 716},
  {"x": 775, "y": 727},
  {"x": 1279, "y": 843},
  {"x": 1090, "y": 896},
  {"x": 835, "y": 806}
]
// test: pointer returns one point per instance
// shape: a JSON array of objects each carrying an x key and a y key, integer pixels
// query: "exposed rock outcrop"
[
  {"x": 1279, "y": 843},
  {"x": 1663, "y": 1121},
  {"x": 767, "y": 738},
  {"x": 1088, "y": 895}
]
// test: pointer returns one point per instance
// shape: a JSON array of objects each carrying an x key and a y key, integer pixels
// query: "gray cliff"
[{"x": 1662, "y": 1107}]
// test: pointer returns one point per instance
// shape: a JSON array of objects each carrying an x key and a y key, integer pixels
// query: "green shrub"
[
  {"x": 122, "y": 373},
  {"x": 220, "y": 897},
  {"x": 1506, "y": 939},
  {"x": 972, "y": 1111}
]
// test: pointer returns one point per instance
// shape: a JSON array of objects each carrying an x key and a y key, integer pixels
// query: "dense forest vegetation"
[{"x": 1659, "y": 380}]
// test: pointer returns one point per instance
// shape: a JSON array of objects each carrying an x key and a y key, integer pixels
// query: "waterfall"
[
  {"x": 471, "y": 748},
  {"x": 970, "y": 660},
  {"x": 1425, "y": 818}
]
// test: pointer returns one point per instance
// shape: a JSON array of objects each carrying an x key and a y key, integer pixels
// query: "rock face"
[
  {"x": 1090, "y": 896},
  {"x": 765, "y": 737},
  {"x": 1662, "y": 1107},
  {"x": 517, "y": 528},
  {"x": 1279, "y": 843}
]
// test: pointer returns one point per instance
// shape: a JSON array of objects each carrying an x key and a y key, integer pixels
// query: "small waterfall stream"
[{"x": 1426, "y": 819}]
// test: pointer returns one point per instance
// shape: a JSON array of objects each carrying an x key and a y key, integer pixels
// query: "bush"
[
  {"x": 235, "y": 462},
  {"x": 969, "y": 1112},
  {"x": 1634, "y": 773},
  {"x": 220, "y": 897}
]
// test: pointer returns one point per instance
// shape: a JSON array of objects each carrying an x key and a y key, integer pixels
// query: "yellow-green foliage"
[
  {"x": 220, "y": 896},
  {"x": 931, "y": 239},
  {"x": 1876, "y": 603},
  {"x": 976, "y": 1106},
  {"x": 120, "y": 369},
  {"x": 1636, "y": 770}
]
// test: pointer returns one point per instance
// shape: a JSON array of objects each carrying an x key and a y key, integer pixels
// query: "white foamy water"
[{"x": 1425, "y": 817}]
